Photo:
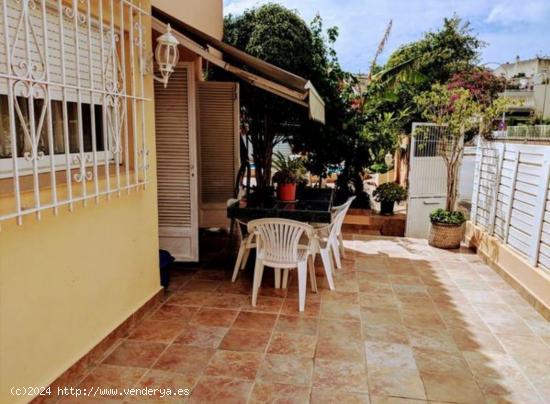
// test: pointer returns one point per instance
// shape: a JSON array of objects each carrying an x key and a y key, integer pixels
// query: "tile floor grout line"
[
  {"x": 495, "y": 335},
  {"x": 203, "y": 371},
  {"x": 474, "y": 378},
  {"x": 264, "y": 355},
  {"x": 436, "y": 261},
  {"x": 520, "y": 367}
]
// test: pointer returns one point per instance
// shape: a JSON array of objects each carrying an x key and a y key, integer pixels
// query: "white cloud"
[
  {"x": 238, "y": 6},
  {"x": 362, "y": 24},
  {"x": 513, "y": 12}
]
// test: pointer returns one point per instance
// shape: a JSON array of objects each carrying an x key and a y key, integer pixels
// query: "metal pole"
[{"x": 544, "y": 100}]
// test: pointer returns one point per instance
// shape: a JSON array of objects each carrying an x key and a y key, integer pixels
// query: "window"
[
  {"x": 24, "y": 137},
  {"x": 72, "y": 97}
]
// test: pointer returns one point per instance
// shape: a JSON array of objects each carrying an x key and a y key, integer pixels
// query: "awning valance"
[{"x": 263, "y": 75}]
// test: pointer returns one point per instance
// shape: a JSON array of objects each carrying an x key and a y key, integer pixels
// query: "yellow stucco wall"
[
  {"x": 67, "y": 281},
  {"x": 206, "y": 15}
]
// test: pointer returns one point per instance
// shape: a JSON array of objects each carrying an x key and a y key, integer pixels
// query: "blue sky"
[{"x": 510, "y": 27}]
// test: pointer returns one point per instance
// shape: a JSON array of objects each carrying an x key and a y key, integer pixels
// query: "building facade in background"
[{"x": 528, "y": 82}]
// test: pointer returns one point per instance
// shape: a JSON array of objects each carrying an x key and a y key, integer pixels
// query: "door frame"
[
  {"x": 214, "y": 214},
  {"x": 193, "y": 232}
]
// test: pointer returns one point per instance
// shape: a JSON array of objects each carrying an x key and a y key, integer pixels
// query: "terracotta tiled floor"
[{"x": 406, "y": 324}]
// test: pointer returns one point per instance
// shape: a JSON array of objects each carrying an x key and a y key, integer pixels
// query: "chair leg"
[
  {"x": 302, "y": 280},
  {"x": 312, "y": 277},
  {"x": 336, "y": 253},
  {"x": 277, "y": 273},
  {"x": 327, "y": 265},
  {"x": 245, "y": 258},
  {"x": 242, "y": 249},
  {"x": 285, "y": 278},
  {"x": 258, "y": 273},
  {"x": 341, "y": 244}
]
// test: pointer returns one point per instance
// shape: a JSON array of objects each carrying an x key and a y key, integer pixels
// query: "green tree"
[
  {"x": 327, "y": 144},
  {"x": 278, "y": 36},
  {"x": 459, "y": 112},
  {"x": 437, "y": 57}
]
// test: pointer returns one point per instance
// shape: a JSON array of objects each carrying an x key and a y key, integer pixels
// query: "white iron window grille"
[{"x": 72, "y": 103}]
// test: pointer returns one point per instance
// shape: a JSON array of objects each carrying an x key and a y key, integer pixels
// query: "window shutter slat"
[
  {"x": 218, "y": 111},
  {"x": 172, "y": 141}
]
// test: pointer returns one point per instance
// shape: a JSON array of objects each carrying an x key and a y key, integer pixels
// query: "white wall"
[
  {"x": 542, "y": 91},
  {"x": 467, "y": 170}
]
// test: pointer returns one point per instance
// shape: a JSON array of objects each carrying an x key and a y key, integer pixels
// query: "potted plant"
[
  {"x": 290, "y": 172},
  {"x": 387, "y": 194},
  {"x": 456, "y": 110},
  {"x": 446, "y": 228}
]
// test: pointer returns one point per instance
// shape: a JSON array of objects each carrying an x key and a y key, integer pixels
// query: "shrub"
[
  {"x": 442, "y": 216},
  {"x": 380, "y": 168},
  {"x": 390, "y": 192}
]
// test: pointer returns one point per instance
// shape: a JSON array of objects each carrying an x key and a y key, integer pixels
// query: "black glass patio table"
[{"x": 313, "y": 205}]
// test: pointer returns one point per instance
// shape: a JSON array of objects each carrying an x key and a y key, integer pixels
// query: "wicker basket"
[{"x": 446, "y": 236}]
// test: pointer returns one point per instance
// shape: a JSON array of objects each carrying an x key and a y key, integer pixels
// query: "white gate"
[{"x": 427, "y": 178}]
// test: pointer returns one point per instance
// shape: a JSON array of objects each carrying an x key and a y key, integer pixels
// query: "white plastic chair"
[
  {"x": 338, "y": 244},
  {"x": 247, "y": 243},
  {"x": 278, "y": 246},
  {"x": 324, "y": 246}
]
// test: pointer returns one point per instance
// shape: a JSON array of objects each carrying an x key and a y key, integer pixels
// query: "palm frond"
[{"x": 404, "y": 71}]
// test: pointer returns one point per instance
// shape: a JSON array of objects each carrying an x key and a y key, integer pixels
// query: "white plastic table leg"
[
  {"x": 336, "y": 252},
  {"x": 285, "y": 278},
  {"x": 327, "y": 265},
  {"x": 341, "y": 245},
  {"x": 277, "y": 273},
  {"x": 258, "y": 273},
  {"x": 245, "y": 258},
  {"x": 302, "y": 281},
  {"x": 312, "y": 277},
  {"x": 240, "y": 255}
]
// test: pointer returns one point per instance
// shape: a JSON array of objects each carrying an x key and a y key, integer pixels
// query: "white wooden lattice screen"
[
  {"x": 511, "y": 198},
  {"x": 72, "y": 94}
]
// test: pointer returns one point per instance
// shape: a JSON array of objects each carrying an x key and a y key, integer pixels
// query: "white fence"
[
  {"x": 511, "y": 198},
  {"x": 524, "y": 132}
]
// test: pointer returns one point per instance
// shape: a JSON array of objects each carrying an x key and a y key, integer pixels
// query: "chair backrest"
[
  {"x": 338, "y": 218},
  {"x": 336, "y": 225},
  {"x": 278, "y": 239},
  {"x": 231, "y": 201},
  {"x": 346, "y": 205}
]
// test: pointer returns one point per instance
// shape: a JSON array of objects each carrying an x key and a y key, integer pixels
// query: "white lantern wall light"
[{"x": 166, "y": 55}]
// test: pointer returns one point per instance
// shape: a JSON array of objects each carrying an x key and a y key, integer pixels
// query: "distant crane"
[
  {"x": 380, "y": 49},
  {"x": 363, "y": 81}
]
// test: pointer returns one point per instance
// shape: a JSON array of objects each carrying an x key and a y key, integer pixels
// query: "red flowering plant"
[{"x": 482, "y": 84}]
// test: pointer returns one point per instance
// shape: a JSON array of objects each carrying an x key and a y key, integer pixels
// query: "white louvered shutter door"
[
  {"x": 176, "y": 159},
  {"x": 219, "y": 148}
]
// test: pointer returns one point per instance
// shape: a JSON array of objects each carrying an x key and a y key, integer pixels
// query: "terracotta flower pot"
[
  {"x": 286, "y": 192},
  {"x": 446, "y": 236}
]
